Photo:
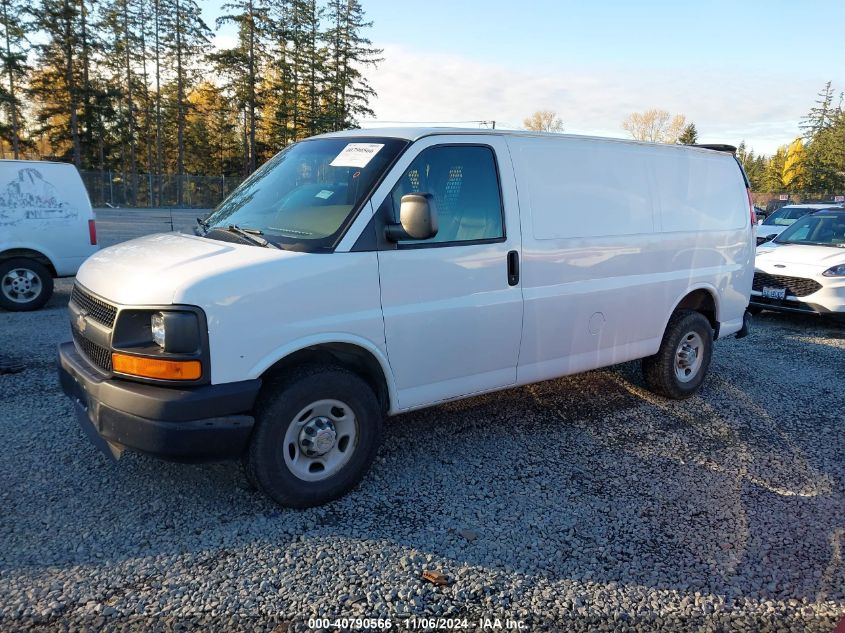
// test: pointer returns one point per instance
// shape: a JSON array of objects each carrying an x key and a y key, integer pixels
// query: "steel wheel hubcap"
[
  {"x": 320, "y": 440},
  {"x": 21, "y": 285},
  {"x": 317, "y": 437},
  {"x": 688, "y": 356}
]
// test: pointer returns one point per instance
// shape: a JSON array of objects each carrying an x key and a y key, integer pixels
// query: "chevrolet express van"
[
  {"x": 46, "y": 230},
  {"x": 362, "y": 274}
]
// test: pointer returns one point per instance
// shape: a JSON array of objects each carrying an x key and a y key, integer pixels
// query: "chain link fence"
[{"x": 117, "y": 189}]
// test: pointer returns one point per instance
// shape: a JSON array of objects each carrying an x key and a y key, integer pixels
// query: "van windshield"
[{"x": 306, "y": 196}]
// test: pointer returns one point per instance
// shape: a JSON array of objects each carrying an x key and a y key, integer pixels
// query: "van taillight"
[
  {"x": 751, "y": 207},
  {"x": 92, "y": 231}
]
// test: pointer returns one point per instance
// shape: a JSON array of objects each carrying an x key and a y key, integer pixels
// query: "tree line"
[
  {"x": 814, "y": 162},
  {"x": 137, "y": 86}
]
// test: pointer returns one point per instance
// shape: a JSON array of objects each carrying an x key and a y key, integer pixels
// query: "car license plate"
[{"x": 774, "y": 293}]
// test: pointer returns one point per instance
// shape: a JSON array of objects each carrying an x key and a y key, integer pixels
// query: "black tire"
[
  {"x": 755, "y": 310},
  {"x": 659, "y": 370},
  {"x": 281, "y": 401},
  {"x": 23, "y": 267}
]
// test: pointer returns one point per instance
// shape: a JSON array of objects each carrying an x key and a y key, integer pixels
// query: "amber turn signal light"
[{"x": 156, "y": 367}]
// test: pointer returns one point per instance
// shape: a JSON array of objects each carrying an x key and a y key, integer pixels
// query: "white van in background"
[
  {"x": 46, "y": 230},
  {"x": 367, "y": 273}
]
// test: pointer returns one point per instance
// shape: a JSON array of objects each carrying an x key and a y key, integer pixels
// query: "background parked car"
[
  {"x": 775, "y": 223},
  {"x": 46, "y": 230},
  {"x": 803, "y": 269}
]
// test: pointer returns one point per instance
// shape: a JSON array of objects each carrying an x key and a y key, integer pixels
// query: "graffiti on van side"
[{"x": 30, "y": 197}]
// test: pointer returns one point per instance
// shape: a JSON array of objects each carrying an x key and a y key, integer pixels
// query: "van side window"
[{"x": 465, "y": 185}]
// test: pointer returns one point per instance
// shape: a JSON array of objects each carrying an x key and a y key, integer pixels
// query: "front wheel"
[
  {"x": 680, "y": 365},
  {"x": 317, "y": 432},
  {"x": 25, "y": 284}
]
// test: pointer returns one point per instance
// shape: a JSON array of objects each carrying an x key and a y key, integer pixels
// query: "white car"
[
  {"x": 47, "y": 230},
  {"x": 784, "y": 217},
  {"x": 366, "y": 273},
  {"x": 803, "y": 269}
]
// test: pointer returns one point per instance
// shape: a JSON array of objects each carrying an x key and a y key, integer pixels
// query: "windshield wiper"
[
  {"x": 808, "y": 243},
  {"x": 250, "y": 235},
  {"x": 202, "y": 225}
]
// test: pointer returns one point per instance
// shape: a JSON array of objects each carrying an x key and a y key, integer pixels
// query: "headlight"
[
  {"x": 176, "y": 332},
  {"x": 836, "y": 271},
  {"x": 157, "y": 327}
]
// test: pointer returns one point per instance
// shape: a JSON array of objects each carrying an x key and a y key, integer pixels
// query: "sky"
[{"x": 740, "y": 69}]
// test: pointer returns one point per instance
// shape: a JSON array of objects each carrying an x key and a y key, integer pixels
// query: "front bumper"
[
  {"x": 827, "y": 301},
  {"x": 193, "y": 424}
]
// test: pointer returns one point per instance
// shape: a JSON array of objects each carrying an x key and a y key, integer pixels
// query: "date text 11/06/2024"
[{"x": 417, "y": 623}]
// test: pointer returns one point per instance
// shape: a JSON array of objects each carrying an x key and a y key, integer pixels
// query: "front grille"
[
  {"x": 98, "y": 355},
  {"x": 98, "y": 310},
  {"x": 795, "y": 286}
]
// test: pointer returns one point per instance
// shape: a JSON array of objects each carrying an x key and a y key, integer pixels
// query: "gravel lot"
[{"x": 578, "y": 504}]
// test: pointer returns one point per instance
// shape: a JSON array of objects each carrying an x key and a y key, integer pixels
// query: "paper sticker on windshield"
[
  {"x": 325, "y": 194},
  {"x": 356, "y": 155}
]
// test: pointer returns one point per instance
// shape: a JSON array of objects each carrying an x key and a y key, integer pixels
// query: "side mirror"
[{"x": 417, "y": 218}]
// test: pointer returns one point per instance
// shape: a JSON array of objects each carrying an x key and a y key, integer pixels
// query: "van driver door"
[{"x": 452, "y": 304}]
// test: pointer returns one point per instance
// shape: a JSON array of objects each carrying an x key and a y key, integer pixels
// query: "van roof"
[
  {"x": 30, "y": 162},
  {"x": 415, "y": 133}
]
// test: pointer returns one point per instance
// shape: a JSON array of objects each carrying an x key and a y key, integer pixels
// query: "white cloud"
[{"x": 727, "y": 105}]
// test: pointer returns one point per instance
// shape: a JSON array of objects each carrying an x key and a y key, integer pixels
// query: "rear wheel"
[
  {"x": 317, "y": 432},
  {"x": 681, "y": 363},
  {"x": 25, "y": 284}
]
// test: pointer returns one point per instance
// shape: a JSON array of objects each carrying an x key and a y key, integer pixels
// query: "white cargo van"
[
  {"x": 366, "y": 273},
  {"x": 46, "y": 230}
]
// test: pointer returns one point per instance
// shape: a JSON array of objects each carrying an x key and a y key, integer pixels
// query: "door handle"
[{"x": 513, "y": 268}]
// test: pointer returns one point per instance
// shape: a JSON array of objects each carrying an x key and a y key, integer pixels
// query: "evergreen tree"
[
  {"x": 211, "y": 132},
  {"x": 754, "y": 166},
  {"x": 305, "y": 66},
  {"x": 55, "y": 84},
  {"x": 15, "y": 25},
  {"x": 123, "y": 21},
  {"x": 689, "y": 135},
  {"x": 825, "y": 157},
  {"x": 69, "y": 98},
  {"x": 349, "y": 54},
  {"x": 185, "y": 39},
  {"x": 115, "y": 84},
  {"x": 820, "y": 115},
  {"x": 774, "y": 171},
  {"x": 242, "y": 63},
  {"x": 824, "y": 161}
]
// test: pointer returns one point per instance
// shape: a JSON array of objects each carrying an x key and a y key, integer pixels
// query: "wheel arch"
[
  {"x": 354, "y": 354},
  {"x": 29, "y": 253},
  {"x": 704, "y": 299}
]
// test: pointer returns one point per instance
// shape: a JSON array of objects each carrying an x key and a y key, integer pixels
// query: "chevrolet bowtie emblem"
[{"x": 81, "y": 323}]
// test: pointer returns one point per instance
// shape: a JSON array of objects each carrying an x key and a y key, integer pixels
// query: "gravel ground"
[{"x": 577, "y": 504}]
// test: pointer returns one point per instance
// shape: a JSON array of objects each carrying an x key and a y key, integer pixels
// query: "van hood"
[{"x": 162, "y": 269}]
